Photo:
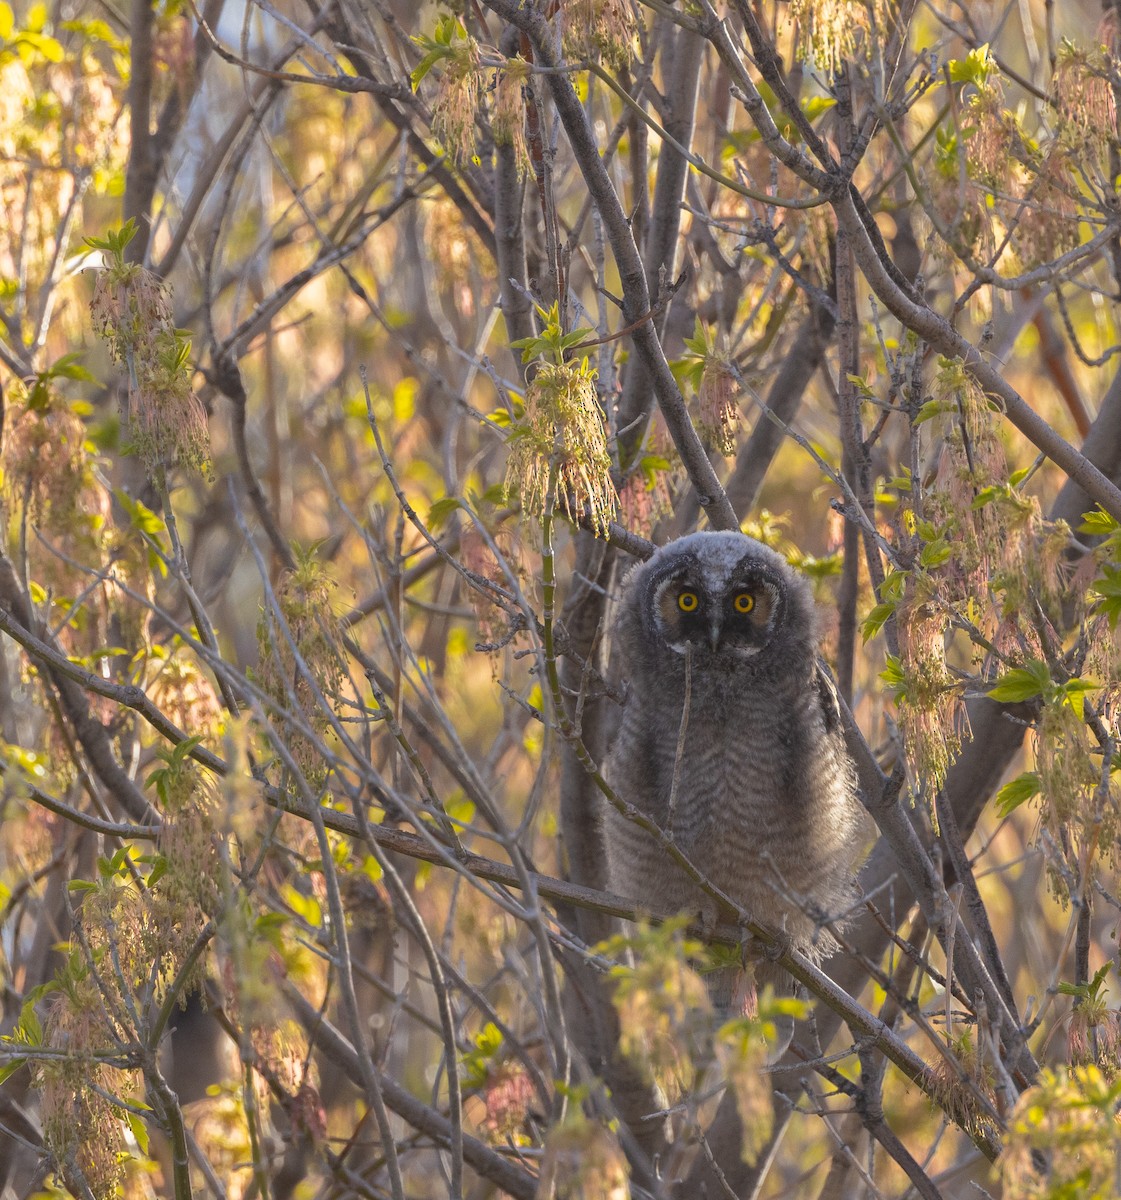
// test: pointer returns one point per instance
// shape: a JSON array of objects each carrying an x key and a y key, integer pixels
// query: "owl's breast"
[{"x": 733, "y": 791}]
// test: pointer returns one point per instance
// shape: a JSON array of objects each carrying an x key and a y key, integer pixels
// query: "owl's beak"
[{"x": 714, "y": 636}]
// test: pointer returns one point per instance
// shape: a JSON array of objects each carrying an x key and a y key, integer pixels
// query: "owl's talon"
[
  {"x": 782, "y": 945},
  {"x": 759, "y": 949}
]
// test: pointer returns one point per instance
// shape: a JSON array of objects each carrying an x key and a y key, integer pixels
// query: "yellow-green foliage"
[{"x": 1069, "y": 1121}]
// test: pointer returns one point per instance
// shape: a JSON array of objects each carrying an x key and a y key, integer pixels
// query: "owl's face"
[
  {"x": 722, "y": 597},
  {"x": 691, "y": 609}
]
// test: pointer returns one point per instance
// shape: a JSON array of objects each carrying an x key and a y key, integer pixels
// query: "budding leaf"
[{"x": 974, "y": 68}]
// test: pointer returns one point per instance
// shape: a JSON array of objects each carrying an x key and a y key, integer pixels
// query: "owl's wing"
[{"x": 828, "y": 698}]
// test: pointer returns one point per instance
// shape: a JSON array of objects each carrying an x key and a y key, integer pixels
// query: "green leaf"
[
  {"x": 893, "y": 674},
  {"x": 825, "y": 567},
  {"x": 141, "y": 516},
  {"x": 1100, "y": 977},
  {"x": 530, "y": 347},
  {"x": 271, "y": 926},
  {"x": 814, "y": 106},
  {"x": 149, "y": 523},
  {"x": 1098, "y": 522},
  {"x": 425, "y": 65},
  {"x": 1074, "y": 689},
  {"x": 450, "y": 28},
  {"x": 7, "y": 1071},
  {"x": 690, "y": 368},
  {"x": 460, "y": 810},
  {"x": 986, "y": 496},
  {"x": 500, "y": 418},
  {"x": 650, "y": 465},
  {"x": 158, "y": 871},
  {"x": 698, "y": 345},
  {"x": 975, "y": 68},
  {"x": 306, "y": 907},
  {"x": 68, "y": 367},
  {"x": 1108, "y": 587},
  {"x": 893, "y": 586},
  {"x": 553, "y": 342},
  {"x": 1016, "y": 792},
  {"x": 875, "y": 621},
  {"x": 115, "y": 240},
  {"x": 1089, "y": 990},
  {"x": 935, "y": 553},
  {"x": 489, "y": 1039},
  {"x": 117, "y": 866},
  {"x": 1021, "y": 683},
  {"x": 30, "y": 1027},
  {"x": 574, "y": 338},
  {"x": 441, "y": 511},
  {"x": 182, "y": 750},
  {"x": 932, "y": 408},
  {"x": 139, "y": 1131},
  {"x": 860, "y": 383},
  {"x": 475, "y": 1063}
]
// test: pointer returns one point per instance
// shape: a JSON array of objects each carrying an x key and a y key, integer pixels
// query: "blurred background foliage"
[{"x": 306, "y": 311}]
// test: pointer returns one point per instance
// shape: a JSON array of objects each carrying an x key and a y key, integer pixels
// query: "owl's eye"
[
  {"x": 688, "y": 601},
  {"x": 744, "y": 602}
]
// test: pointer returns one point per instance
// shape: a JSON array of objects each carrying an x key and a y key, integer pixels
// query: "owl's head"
[{"x": 725, "y": 598}]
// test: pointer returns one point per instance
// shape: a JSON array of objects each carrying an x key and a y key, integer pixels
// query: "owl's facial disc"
[{"x": 729, "y": 620}]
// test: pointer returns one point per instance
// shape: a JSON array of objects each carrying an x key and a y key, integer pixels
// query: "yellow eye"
[
  {"x": 744, "y": 602},
  {"x": 688, "y": 601}
]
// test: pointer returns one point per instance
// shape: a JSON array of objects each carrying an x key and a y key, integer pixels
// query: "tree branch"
[{"x": 636, "y": 295}]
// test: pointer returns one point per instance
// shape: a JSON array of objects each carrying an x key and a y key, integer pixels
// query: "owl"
[{"x": 731, "y": 742}]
